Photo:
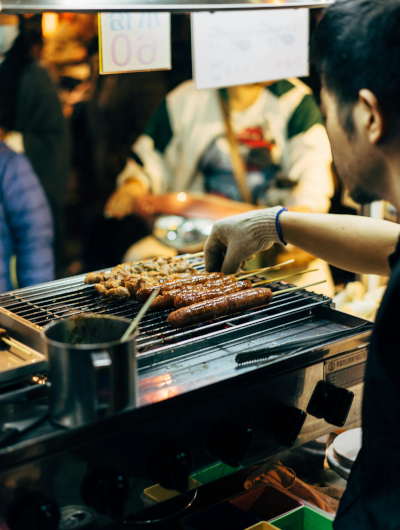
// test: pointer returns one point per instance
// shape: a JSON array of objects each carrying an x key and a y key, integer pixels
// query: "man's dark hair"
[{"x": 357, "y": 45}]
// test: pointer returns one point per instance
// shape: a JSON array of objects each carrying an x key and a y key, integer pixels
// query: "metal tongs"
[{"x": 295, "y": 346}]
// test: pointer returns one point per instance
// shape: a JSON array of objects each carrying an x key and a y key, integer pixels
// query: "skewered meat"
[
  {"x": 144, "y": 292},
  {"x": 193, "y": 297},
  {"x": 119, "y": 293},
  {"x": 221, "y": 306},
  {"x": 166, "y": 300},
  {"x": 101, "y": 288},
  {"x": 135, "y": 281},
  {"x": 162, "y": 266},
  {"x": 94, "y": 277}
]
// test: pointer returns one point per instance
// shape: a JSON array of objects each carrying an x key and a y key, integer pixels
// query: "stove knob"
[
  {"x": 33, "y": 511},
  {"x": 331, "y": 403},
  {"x": 171, "y": 466},
  {"x": 106, "y": 491},
  {"x": 229, "y": 442},
  {"x": 290, "y": 421}
]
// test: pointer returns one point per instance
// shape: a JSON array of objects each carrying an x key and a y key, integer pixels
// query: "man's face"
[{"x": 356, "y": 160}]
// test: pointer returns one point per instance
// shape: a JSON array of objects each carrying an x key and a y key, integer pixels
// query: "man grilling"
[{"x": 356, "y": 49}]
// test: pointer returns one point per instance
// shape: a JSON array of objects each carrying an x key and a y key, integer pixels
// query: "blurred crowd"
[{"x": 77, "y": 148}]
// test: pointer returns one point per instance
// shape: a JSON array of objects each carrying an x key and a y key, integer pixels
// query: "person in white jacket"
[
  {"x": 263, "y": 144},
  {"x": 280, "y": 138}
]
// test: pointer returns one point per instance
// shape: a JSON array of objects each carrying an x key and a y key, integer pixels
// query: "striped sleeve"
[
  {"x": 306, "y": 157},
  {"x": 159, "y": 128},
  {"x": 306, "y": 115}
]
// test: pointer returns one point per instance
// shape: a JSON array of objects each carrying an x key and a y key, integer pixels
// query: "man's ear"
[{"x": 371, "y": 115}]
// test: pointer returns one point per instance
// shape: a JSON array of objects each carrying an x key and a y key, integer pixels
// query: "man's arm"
[{"x": 357, "y": 244}]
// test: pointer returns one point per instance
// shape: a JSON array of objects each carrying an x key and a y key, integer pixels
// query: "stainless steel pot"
[{"x": 92, "y": 373}]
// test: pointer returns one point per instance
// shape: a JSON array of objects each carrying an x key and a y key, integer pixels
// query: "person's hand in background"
[
  {"x": 236, "y": 239},
  {"x": 122, "y": 202}
]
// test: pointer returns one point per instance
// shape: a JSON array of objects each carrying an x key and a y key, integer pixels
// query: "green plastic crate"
[
  {"x": 214, "y": 472},
  {"x": 303, "y": 518}
]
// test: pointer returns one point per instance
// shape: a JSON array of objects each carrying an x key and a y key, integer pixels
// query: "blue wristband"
[{"x": 278, "y": 226}]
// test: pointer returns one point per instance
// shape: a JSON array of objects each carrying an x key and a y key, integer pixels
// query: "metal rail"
[{"x": 91, "y": 6}]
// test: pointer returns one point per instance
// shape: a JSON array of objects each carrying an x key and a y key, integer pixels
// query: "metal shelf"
[{"x": 88, "y": 6}]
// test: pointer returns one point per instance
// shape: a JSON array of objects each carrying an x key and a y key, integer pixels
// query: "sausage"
[
  {"x": 222, "y": 306},
  {"x": 193, "y": 297},
  {"x": 166, "y": 299},
  {"x": 143, "y": 293}
]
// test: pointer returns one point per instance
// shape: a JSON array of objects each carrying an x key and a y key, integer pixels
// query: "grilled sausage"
[
  {"x": 166, "y": 299},
  {"x": 143, "y": 293},
  {"x": 193, "y": 297},
  {"x": 221, "y": 306}
]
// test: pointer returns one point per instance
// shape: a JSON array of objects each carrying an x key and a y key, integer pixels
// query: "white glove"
[{"x": 236, "y": 239}]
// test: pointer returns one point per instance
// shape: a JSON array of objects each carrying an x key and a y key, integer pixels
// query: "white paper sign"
[
  {"x": 241, "y": 47},
  {"x": 134, "y": 42}
]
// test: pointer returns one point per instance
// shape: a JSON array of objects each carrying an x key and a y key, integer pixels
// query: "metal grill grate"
[{"x": 62, "y": 298}]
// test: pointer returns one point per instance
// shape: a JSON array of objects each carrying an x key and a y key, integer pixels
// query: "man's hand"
[
  {"x": 122, "y": 202},
  {"x": 235, "y": 240}
]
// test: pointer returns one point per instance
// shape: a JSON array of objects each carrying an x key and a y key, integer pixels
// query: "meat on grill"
[
  {"x": 133, "y": 283},
  {"x": 166, "y": 300},
  {"x": 144, "y": 292},
  {"x": 222, "y": 306},
  {"x": 118, "y": 293},
  {"x": 162, "y": 266},
  {"x": 193, "y": 297}
]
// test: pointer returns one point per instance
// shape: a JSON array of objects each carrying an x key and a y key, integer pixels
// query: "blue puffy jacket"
[{"x": 26, "y": 224}]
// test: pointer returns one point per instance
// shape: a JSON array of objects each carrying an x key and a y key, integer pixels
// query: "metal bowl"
[{"x": 182, "y": 233}]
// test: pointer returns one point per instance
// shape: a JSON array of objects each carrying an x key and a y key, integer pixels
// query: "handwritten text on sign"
[
  {"x": 134, "y": 42},
  {"x": 241, "y": 47}
]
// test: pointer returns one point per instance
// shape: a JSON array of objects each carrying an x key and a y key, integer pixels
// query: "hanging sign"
[
  {"x": 134, "y": 42},
  {"x": 242, "y": 47}
]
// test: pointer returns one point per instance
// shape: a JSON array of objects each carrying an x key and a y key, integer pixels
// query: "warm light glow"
[
  {"x": 182, "y": 197},
  {"x": 49, "y": 23}
]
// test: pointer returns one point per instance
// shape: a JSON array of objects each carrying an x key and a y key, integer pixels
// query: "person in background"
[
  {"x": 26, "y": 224},
  {"x": 30, "y": 112},
  {"x": 197, "y": 140},
  {"x": 65, "y": 52}
]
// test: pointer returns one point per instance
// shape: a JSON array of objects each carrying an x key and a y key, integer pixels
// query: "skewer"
[
  {"x": 265, "y": 269},
  {"x": 199, "y": 263},
  {"x": 139, "y": 316},
  {"x": 198, "y": 254},
  {"x": 271, "y": 280},
  {"x": 13, "y": 344},
  {"x": 292, "y": 289}
]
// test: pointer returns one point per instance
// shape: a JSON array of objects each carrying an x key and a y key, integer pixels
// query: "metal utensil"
[
  {"x": 92, "y": 372},
  {"x": 10, "y": 431},
  {"x": 139, "y": 316}
]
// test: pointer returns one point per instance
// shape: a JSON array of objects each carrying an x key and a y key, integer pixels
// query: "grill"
[
  {"x": 35, "y": 307},
  {"x": 190, "y": 388}
]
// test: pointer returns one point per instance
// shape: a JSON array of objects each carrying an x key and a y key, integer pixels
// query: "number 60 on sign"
[{"x": 134, "y": 42}]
